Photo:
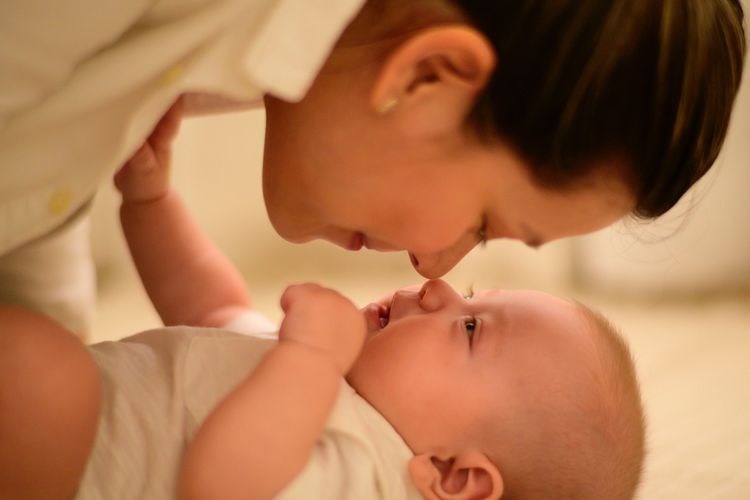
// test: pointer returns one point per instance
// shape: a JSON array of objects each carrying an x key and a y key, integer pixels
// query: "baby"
[{"x": 425, "y": 394}]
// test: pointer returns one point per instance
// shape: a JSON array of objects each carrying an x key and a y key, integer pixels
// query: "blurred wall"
[{"x": 702, "y": 246}]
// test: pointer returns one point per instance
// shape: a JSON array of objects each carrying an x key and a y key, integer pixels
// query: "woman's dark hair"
[{"x": 647, "y": 82}]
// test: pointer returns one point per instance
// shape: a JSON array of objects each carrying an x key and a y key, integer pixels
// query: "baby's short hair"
[
  {"x": 622, "y": 420},
  {"x": 584, "y": 446}
]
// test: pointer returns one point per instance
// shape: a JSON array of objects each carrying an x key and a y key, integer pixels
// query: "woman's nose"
[
  {"x": 435, "y": 265},
  {"x": 437, "y": 294}
]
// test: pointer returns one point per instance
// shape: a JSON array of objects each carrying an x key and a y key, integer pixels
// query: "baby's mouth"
[
  {"x": 377, "y": 316},
  {"x": 384, "y": 315}
]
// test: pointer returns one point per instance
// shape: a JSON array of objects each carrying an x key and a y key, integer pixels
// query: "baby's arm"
[
  {"x": 188, "y": 279},
  {"x": 261, "y": 436}
]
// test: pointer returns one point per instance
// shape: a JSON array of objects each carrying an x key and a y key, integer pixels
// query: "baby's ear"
[{"x": 467, "y": 475}]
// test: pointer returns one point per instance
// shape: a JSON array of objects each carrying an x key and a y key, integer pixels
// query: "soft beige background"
[{"x": 677, "y": 288}]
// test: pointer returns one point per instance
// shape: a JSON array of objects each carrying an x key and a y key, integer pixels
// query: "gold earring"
[{"x": 387, "y": 105}]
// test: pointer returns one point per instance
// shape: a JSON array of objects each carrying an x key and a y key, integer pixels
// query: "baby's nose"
[{"x": 436, "y": 294}]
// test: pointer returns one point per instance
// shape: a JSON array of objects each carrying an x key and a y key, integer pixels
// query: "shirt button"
[
  {"x": 59, "y": 202},
  {"x": 172, "y": 75}
]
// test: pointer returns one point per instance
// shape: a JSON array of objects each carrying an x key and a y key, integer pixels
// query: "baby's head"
[{"x": 516, "y": 393}]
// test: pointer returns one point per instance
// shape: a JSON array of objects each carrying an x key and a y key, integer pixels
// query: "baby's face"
[{"x": 443, "y": 363}]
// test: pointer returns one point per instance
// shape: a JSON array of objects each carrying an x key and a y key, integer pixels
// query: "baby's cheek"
[{"x": 371, "y": 369}]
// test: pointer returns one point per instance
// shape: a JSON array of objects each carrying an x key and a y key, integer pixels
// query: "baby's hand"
[
  {"x": 145, "y": 177},
  {"x": 324, "y": 320}
]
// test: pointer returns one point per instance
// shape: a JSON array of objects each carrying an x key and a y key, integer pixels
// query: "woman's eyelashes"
[
  {"x": 482, "y": 233},
  {"x": 470, "y": 325}
]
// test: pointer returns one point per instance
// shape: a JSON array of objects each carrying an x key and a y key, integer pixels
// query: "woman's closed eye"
[
  {"x": 471, "y": 325},
  {"x": 482, "y": 233}
]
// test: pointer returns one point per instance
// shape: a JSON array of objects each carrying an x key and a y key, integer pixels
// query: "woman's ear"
[
  {"x": 429, "y": 83},
  {"x": 468, "y": 475}
]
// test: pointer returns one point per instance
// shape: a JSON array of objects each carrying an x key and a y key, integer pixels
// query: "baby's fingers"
[
  {"x": 166, "y": 130},
  {"x": 143, "y": 161},
  {"x": 297, "y": 293},
  {"x": 143, "y": 177}
]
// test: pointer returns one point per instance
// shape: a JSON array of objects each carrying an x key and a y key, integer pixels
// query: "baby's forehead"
[
  {"x": 542, "y": 316},
  {"x": 518, "y": 298}
]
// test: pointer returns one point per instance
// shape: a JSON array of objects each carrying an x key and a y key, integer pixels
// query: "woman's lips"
[{"x": 357, "y": 242}]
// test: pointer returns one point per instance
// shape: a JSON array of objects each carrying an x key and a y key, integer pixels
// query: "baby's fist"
[{"x": 324, "y": 320}]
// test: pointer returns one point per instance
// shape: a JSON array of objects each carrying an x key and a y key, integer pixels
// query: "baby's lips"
[{"x": 373, "y": 314}]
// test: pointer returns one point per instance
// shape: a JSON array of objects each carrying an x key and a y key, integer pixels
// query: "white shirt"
[{"x": 82, "y": 84}]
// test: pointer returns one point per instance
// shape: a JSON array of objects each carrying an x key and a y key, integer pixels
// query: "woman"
[{"x": 427, "y": 126}]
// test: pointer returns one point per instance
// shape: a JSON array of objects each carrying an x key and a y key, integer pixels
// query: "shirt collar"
[{"x": 294, "y": 42}]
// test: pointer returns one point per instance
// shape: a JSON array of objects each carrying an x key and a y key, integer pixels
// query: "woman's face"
[
  {"x": 436, "y": 204},
  {"x": 412, "y": 179}
]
